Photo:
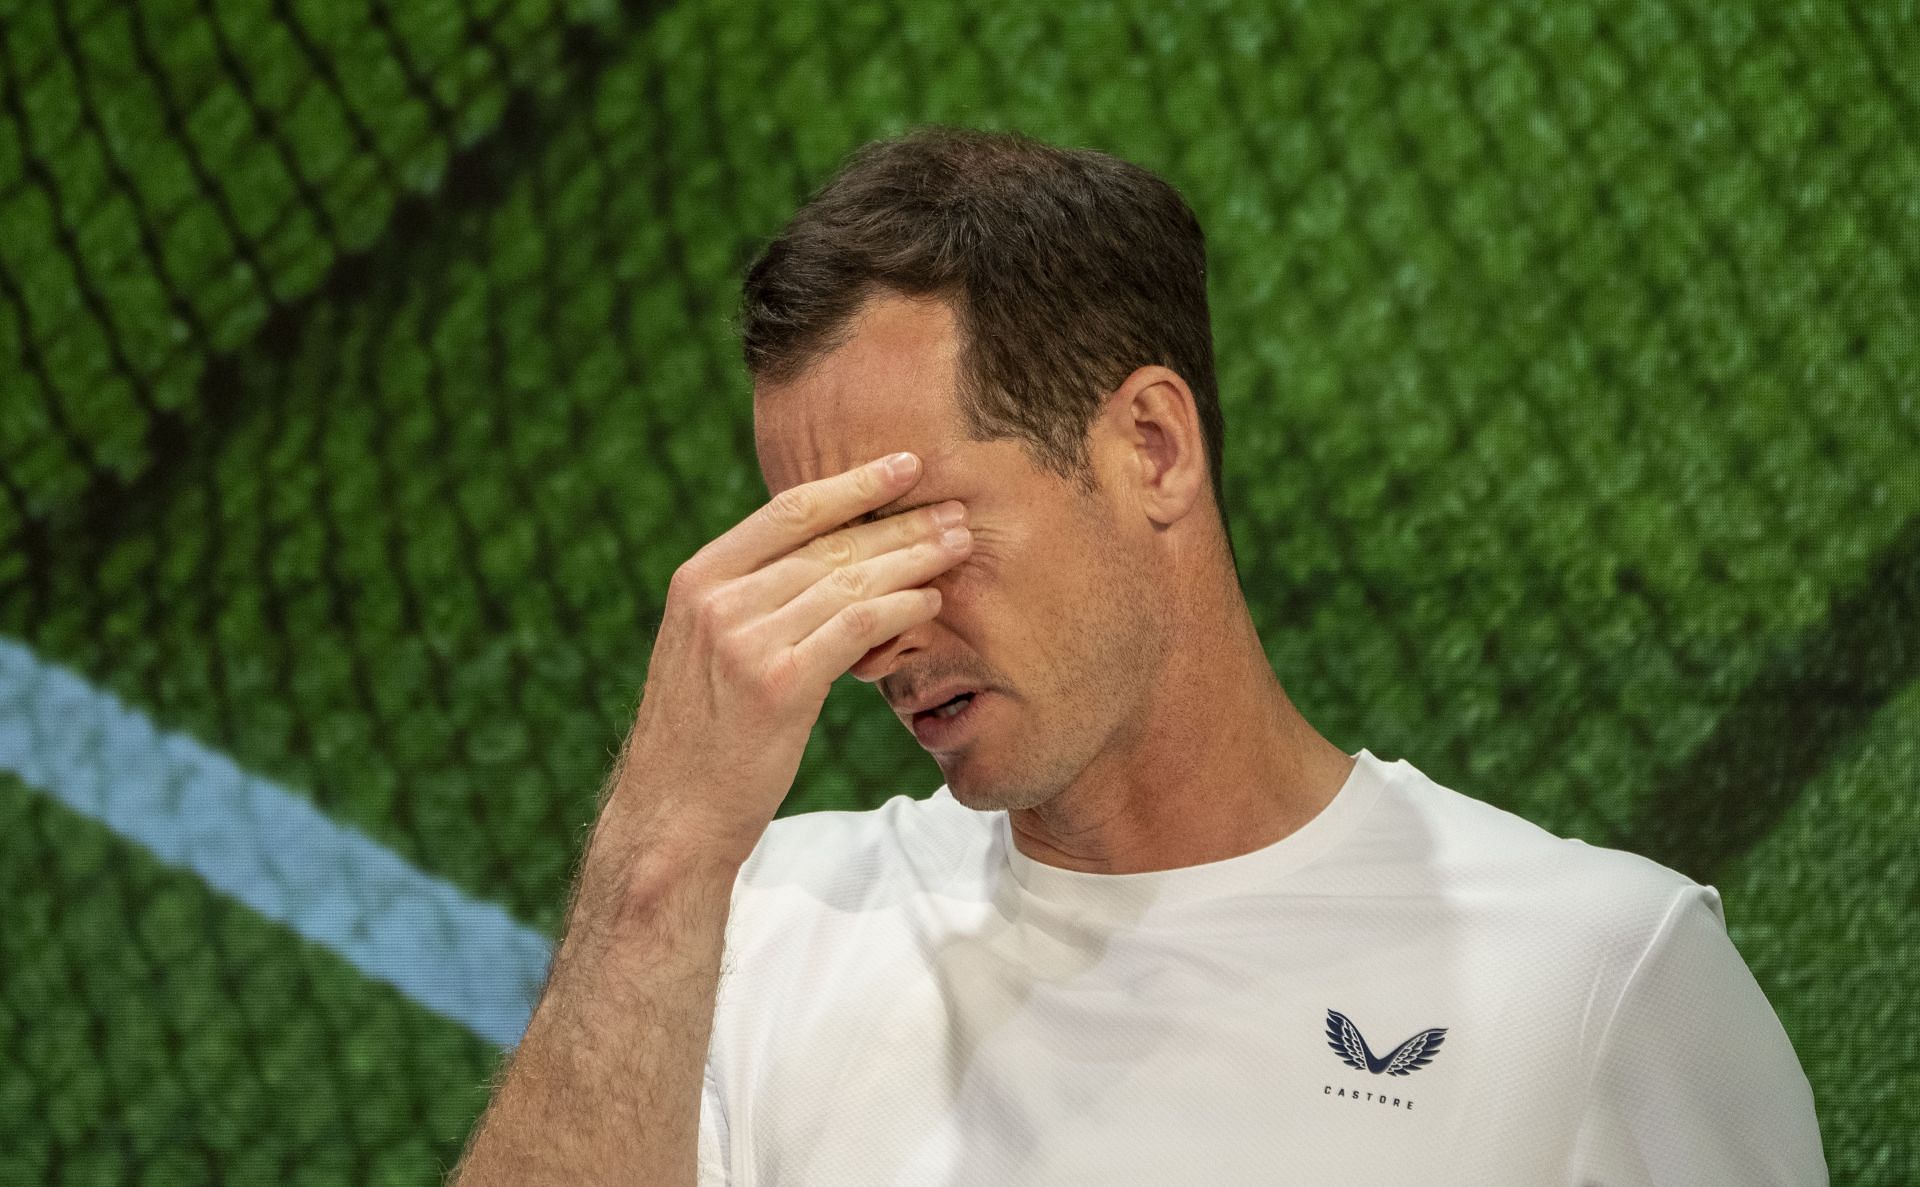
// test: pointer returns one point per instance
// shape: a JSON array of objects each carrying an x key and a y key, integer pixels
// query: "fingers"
[
  {"x": 799, "y": 514},
  {"x": 840, "y": 589},
  {"x": 859, "y": 628},
  {"x": 787, "y": 578}
]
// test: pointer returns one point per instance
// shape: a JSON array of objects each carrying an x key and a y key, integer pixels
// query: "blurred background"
[{"x": 366, "y": 370}]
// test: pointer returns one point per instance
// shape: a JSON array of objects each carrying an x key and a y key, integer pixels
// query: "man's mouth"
[{"x": 947, "y": 710}]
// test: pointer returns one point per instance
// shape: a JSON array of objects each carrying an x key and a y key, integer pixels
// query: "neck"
[{"x": 1219, "y": 763}]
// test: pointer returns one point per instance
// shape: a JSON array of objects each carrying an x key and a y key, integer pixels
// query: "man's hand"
[
  {"x": 757, "y": 627},
  {"x": 605, "y": 1087}
]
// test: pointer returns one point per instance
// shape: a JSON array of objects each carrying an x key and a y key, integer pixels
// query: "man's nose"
[{"x": 894, "y": 656}]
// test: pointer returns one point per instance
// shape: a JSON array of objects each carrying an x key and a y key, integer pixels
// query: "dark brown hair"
[{"x": 1066, "y": 269}]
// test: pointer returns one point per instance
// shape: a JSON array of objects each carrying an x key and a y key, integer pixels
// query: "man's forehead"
[
  {"x": 888, "y": 386},
  {"x": 802, "y": 443},
  {"x": 936, "y": 464},
  {"x": 809, "y": 448}
]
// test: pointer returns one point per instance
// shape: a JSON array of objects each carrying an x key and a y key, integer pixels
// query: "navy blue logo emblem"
[{"x": 1345, "y": 1039}]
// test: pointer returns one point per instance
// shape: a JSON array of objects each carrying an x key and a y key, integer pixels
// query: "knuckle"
[
  {"x": 835, "y": 550},
  {"x": 793, "y": 507},
  {"x": 712, "y": 612},
  {"x": 686, "y": 580},
  {"x": 778, "y": 681},
  {"x": 850, "y": 581},
  {"x": 860, "y": 619}
]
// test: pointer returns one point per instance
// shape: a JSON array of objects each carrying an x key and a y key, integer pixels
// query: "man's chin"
[{"x": 968, "y": 788}]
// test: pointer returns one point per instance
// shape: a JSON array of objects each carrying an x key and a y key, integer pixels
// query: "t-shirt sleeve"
[
  {"x": 1695, "y": 1081},
  {"x": 714, "y": 1170}
]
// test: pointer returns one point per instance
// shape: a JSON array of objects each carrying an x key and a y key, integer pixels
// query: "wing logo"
[{"x": 1345, "y": 1039}]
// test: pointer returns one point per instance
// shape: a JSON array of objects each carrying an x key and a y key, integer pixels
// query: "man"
[{"x": 1153, "y": 928}]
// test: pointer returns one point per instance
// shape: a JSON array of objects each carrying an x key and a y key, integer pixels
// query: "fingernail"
[{"x": 901, "y": 465}]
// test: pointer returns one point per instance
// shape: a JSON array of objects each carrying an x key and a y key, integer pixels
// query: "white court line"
[{"x": 273, "y": 850}]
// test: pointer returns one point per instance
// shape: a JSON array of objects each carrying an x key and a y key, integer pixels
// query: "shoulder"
[
  {"x": 820, "y": 887},
  {"x": 1586, "y": 918},
  {"x": 1613, "y": 901},
  {"x": 1473, "y": 836},
  {"x": 856, "y": 859}
]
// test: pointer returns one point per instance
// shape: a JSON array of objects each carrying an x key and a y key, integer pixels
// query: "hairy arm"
[
  {"x": 605, "y": 1086},
  {"x": 607, "y": 1083}
]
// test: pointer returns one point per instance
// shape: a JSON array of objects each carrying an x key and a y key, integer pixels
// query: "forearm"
[{"x": 605, "y": 1085}]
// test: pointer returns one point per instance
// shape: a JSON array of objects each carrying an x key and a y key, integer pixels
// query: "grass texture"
[{"x": 366, "y": 403}]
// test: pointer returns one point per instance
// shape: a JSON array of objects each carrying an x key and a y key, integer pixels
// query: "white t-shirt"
[{"x": 1416, "y": 987}]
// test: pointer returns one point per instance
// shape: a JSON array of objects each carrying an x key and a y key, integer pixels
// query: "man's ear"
[{"x": 1162, "y": 452}]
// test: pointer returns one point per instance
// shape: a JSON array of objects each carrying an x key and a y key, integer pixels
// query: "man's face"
[{"x": 1053, "y": 611}]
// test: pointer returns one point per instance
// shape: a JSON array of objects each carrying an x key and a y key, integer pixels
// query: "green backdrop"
[{"x": 365, "y": 373}]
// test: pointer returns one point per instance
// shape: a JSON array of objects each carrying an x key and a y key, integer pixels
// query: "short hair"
[{"x": 1066, "y": 269}]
